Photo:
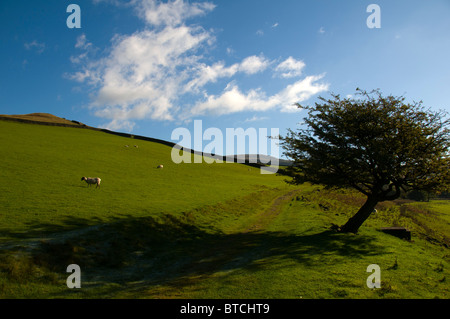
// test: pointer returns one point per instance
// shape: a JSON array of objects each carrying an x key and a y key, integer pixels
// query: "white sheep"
[
  {"x": 160, "y": 166},
  {"x": 92, "y": 180}
]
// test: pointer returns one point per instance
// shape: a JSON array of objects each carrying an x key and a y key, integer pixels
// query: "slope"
[{"x": 41, "y": 169}]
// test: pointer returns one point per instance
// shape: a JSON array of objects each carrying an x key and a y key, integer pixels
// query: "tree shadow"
[
  {"x": 141, "y": 253},
  {"x": 36, "y": 229}
]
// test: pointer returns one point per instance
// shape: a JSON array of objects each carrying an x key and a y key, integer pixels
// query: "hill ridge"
[
  {"x": 43, "y": 119},
  {"x": 255, "y": 160}
]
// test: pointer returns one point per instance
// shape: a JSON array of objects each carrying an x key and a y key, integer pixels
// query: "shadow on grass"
[
  {"x": 38, "y": 229},
  {"x": 136, "y": 254}
]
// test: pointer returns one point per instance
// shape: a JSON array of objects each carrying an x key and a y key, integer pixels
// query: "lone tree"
[{"x": 377, "y": 145}]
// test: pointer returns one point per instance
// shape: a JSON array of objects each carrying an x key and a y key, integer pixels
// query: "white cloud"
[
  {"x": 142, "y": 76},
  {"x": 254, "y": 64},
  {"x": 211, "y": 73},
  {"x": 232, "y": 100},
  {"x": 117, "y": 124},
  {"x": 230, "y": 51},
  {"x": 114, "y": 2},
  {"x": 173, "y": 12},
  {"x": 256, "y": 119},
  {"x": 82, "y": 42},
  {"x": 321, "y": 30},
  {"x": 78, "y": 76},
  {"x": 85, "y": 46},
  {"x": 301, "y": 91},
  {"x": 35, "y": 45},
  {"x": 290, "y": 68},
  {"x": 161, "y": 73}
]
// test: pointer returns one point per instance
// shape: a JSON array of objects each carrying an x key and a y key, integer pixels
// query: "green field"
[{"x": 194, "y": 230}]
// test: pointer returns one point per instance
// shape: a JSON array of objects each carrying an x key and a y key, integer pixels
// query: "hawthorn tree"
[{"x": 378, "y": 145}]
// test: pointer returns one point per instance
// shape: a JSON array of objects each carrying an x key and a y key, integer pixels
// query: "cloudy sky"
[{"x": 149, "y": 67}]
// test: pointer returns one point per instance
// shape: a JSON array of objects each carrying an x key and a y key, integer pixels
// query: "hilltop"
[{"x": 42, "y": 118}]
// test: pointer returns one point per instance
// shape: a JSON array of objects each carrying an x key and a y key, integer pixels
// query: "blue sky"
[{"x": 149, "y": 67}]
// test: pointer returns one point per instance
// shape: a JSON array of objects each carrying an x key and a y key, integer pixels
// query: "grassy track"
[
  {"x": 194, "y": 230},
  {"x": 297, "y": 256}
]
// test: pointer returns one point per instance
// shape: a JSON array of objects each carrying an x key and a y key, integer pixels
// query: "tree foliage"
[{"x": 377, "y": 145}]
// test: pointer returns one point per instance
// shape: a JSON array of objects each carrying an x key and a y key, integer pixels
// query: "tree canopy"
[{"x": 377, "y": 145}]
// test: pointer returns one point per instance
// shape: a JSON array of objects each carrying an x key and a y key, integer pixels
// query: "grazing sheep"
[
  {"x": 127, "y": 146},
  {"x": 160, "y": 166},
  {"x": 92, "y": 180},
  {"x": 136, "y": 146}
]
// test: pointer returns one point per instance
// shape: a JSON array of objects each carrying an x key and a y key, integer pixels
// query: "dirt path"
[
  {"x": 272, "y": 212},
  {"x": 227, "y": 255}
]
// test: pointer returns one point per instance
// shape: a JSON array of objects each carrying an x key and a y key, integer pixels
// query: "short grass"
[
  {"x": 194, "y": 230},
  {"x": 41, "y": 117},
  {"x": 41, "y": 169},
  {"x": 298, "y": 256}
]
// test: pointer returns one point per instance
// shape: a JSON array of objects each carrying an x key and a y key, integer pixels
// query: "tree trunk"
[{"x": 360, "y": 217}]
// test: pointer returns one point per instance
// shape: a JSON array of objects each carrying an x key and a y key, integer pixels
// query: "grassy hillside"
[
  {"x": 194, "y": 230},
  {"x": 42, "y": 166}
]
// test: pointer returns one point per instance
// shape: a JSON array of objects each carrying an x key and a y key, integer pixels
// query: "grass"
[
  {"x": 297, "y": 256},
  {"x": 42, "y": 188},
  {"x": 40, "y": 117},
  {"x": 194, "y": 230}
]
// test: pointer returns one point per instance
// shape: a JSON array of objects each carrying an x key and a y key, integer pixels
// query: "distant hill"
[
  {"x": 259, "y": 158},
  {"x": 53, "y": 120},
  {"x": 42, "y": 118}
]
